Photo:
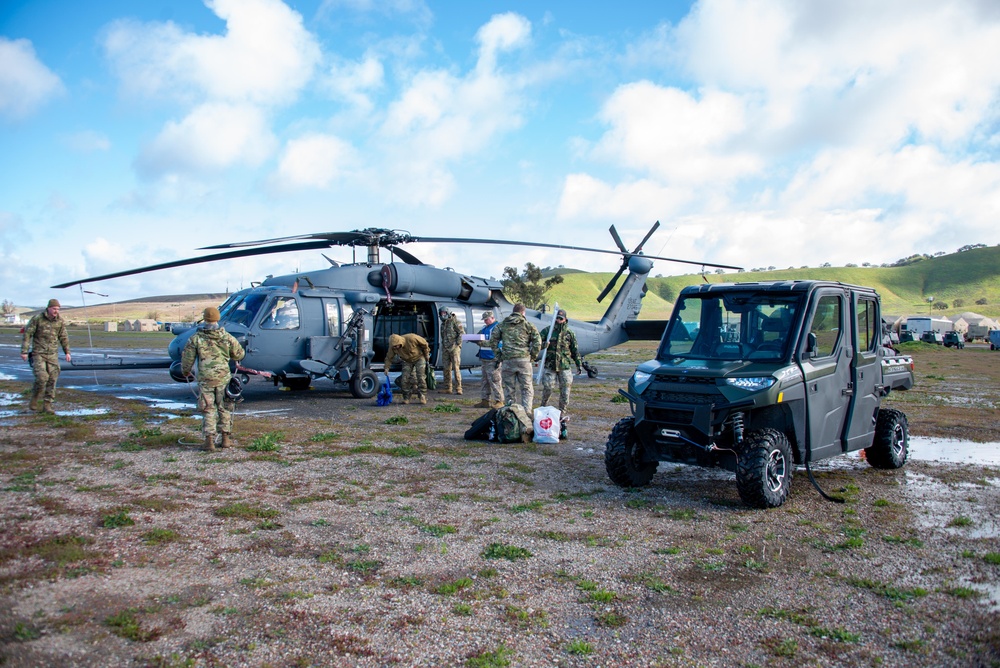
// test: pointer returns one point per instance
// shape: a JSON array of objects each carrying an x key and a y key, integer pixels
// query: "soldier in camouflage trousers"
[
  {"x": 451, "y": 351},
  {"x": 560, "y": 355},
  {"x": 521, "y": 345},
  {"x": 43, "y": 335},
  {"x": 414, "y": 353},
  {"x": 213, "y": 347}
]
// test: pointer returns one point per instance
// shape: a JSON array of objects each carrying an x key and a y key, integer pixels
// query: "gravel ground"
[{"x": 379, "y": 536}]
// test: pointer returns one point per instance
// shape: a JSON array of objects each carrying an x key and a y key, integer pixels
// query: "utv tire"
[
  {"x": 764, "y": 469},
  {"x": 623, "y": 457},
  {"x": 891, "y": 446},
  {"x": 364, "y": 385}
]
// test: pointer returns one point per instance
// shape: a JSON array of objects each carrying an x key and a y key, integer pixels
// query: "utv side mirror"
[{"x": 811, "y": 344}]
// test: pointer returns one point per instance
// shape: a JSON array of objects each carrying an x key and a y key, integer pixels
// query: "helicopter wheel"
[{"x": 364, "y": 385}]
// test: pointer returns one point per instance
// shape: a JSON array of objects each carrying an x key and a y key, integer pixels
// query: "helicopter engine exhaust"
[{"x": 427, "y": 280}]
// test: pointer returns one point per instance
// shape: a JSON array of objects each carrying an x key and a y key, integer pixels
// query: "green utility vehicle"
[{"x": 759, "y": 378}]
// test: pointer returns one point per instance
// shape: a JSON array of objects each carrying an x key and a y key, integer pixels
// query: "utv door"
[
  {"x": 825, "y": 357},
  {"x": 867, "y": 374}
]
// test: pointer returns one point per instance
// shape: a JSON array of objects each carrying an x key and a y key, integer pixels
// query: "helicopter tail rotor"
[{"x": 626, "y": 256}]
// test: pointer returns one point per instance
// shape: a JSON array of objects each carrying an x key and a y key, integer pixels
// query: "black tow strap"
[{"x": 834, "y": 499}]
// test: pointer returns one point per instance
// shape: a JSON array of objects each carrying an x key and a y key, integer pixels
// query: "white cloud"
[
  {"x": 801, "y": 117},
  {"x": 440, "y": 118},
  {"x": 212, "y": 137},
  {"x": 26, "y": 83},
  {"x": 315, "y": 161},
  {"x": 266, "y": 55},
  {"x": 352, "y": 82}
]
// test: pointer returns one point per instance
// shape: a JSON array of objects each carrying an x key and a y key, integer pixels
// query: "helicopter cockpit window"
[
  {"x": 284, "y": 314},
  {"x": 242, "y": 309}
]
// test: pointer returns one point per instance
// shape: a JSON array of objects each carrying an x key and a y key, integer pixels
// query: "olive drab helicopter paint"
[{"x": 335, "y": 322}]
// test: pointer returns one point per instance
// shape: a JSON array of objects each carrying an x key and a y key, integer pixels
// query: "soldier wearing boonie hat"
[{"x": 43, "y": 335}]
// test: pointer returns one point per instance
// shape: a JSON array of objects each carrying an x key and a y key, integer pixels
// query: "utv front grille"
[
  {"x": 664, "y": 397},
  {"x": 669, "y": 415}
]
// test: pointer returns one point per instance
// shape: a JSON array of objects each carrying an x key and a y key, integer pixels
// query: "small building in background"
[{"x": 110, "y": 326}]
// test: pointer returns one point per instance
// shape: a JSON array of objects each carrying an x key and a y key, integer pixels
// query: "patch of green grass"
[
  {"x": 405, "y": 451},
  {"x": 610, "y": 619},
  {"x": 126, "y": 625},
  {"x": 785, "y": 647},
  {"x": 838, "y": 635},
  {"x": 364, "y": 566},
  {"x": 266, "y": 443},
  {"x": 683, "y": 514},
  {"x": 601, "y": 596},
  {"x": 914, "y": 645},
  {"x": 523, "y": 618},
  {"x": 25, "y": 633},
  {"x": 509, "y": 552},
  {"x": 398, "y": 419},
  {"x": 960, "y": 521},
  {"x": 269, "y": 525},
  {"x": 964, "y": 592},
  {"x": 638, "y": 503},
  {"x": 890, "y": 592},
  {"x": 438, "y": 530},
  {"x": 446, "y": 408},
  {"x": 498, "y": 658},
  {"x": 160, "y": 536},
  {"x": 324, "y": 437},
  {"x": 899, "y": 540},
  {"x": 117, "y": 519},
  {"x": 62, "y": 549},
  {"x": 246, "y": 511},
  {"x": 23, "y": 482},
  {"x": 992, "y": 558},
  {"x": 579, "y": 648},
  {"x": 452, "y": 588},
  {"x": 525, "y": 507},
  {"x": 462, "y": 609}
]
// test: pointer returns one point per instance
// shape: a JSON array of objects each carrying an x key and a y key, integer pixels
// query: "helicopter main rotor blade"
[
  {"x": 307, "y": 245},
  {"x": 404, "y": 256},
  {"x": 333, "y": 239},
  {"x": 535, "y": 244}
]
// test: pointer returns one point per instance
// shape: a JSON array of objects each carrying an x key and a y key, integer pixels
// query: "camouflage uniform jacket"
[
  {"x": 43, "y": 336},
  {"x": 408, "y": 348},
  {"x": 520, "y": 339},
  {"x": 562, "y": 351},
  {"x": 213, "y": 347},
  {"x": 451, "y": 332}
]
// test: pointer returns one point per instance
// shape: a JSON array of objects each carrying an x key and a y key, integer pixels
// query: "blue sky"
[{"x": 778, "y": 133}]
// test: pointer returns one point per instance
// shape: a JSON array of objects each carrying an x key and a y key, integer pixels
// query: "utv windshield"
[{"x": 729, "y": 326}]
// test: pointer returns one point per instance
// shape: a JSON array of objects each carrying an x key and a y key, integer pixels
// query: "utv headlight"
[
  {"x": 754, "y": 384},
  {"x": 640, "y": 378}
]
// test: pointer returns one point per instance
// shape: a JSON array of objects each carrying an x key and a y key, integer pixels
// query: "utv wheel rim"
[
  {"x": 774, "y": 477},
  {"x": 898, "y": 441}
]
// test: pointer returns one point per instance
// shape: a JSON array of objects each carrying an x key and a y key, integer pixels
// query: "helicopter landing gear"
[{"x": 364, "y": 385}]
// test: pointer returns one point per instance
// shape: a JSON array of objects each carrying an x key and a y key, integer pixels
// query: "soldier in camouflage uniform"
[
  {"x": 43, "y": 335},
  {"x": 414, "y": 353},
  {"x": 521, "y": 345},
  {"x": 451, "y": 350},
  {"x": 213, "y": 347},
  {"x": 492, "y": 391},
  {"x": 560, "y": 355}
]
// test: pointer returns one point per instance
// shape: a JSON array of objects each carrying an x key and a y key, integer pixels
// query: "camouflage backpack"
[{"x": 511, "y": 424}]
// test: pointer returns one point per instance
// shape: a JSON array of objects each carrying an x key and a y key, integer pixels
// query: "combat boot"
[
  {"x": 458, "y": 390},
  {"x": 33, "y": 404},
  {"x": 483, "y": 404},
  {"x": 47, "y": 408},
  {"x": 405, "y": 400},
  {"x": 423, "y": 399},
  {"x": 209, "y": 443},
  {"x": 444, "y": 390},
  {"x": 226, "y": 442},
  {"x": 497, "y": 404}
]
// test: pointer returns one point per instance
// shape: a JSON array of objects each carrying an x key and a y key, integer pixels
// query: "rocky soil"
[{"x": 368, "y": 536}]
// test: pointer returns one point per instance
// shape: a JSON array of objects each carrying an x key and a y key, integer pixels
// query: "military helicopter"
[{"x": 335, "y": 322}]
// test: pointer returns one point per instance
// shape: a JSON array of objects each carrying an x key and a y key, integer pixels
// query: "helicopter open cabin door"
[{"x": 277, "y": 343}]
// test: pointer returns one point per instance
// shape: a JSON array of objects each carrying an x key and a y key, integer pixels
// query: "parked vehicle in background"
[
  {"x": 779, "y": 374},
  {"x": 933, "y": 337},
  {"x": 995, "y": 339},
  {"x": 954, "y": 339}
]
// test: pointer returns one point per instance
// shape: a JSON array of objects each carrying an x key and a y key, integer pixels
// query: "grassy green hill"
[{"x": 968, "y": 276}]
